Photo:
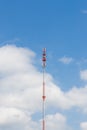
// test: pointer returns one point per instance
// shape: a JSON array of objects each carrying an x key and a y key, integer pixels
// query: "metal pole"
[{"x": 43, "y": 97}]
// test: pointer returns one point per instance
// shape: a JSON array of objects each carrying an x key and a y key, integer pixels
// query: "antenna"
[{"x": 43, "y": 97}]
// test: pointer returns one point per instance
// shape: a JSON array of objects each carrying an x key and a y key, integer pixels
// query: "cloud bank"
[{"x": 21, "y": 92}]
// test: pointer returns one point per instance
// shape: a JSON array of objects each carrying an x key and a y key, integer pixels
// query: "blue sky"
[{"x": 61, "y": 27}]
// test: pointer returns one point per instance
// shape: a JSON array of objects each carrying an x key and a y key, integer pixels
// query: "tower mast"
[{"x": 44, "y": 96}]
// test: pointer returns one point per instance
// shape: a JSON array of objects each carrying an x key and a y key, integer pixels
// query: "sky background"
[{"x": 27, "y": 26}]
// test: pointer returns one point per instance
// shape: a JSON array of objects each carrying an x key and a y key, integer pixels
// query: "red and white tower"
[{"x": 44, "y": 96}]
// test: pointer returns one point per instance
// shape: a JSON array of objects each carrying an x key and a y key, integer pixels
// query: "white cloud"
[
  {"x": 55, "y": 121},
  {"x": 78, "y": 97},
  {"x": 83, "y": 125},
  {"x": 11, "y": 115},
  {"x": 66, "y": 60},
  {"x": 13, "y": 118},
  {"x": 15, "y": 60},
  {"x": 74, "y": 98},
  {"x": 83, "y": 75},
  {"x": 84, "y": 11}
]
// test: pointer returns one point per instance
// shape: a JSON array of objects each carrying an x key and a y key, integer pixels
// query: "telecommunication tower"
[{"x": 43, "y": 96}]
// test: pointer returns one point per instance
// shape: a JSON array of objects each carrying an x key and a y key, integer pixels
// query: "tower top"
[{"x": 44, "y": 57}]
